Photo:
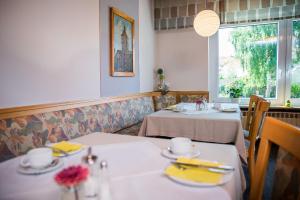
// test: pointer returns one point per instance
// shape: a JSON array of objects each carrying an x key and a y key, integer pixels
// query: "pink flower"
[
  {"x": 72, "y": 176},
  {"x": 199, "y": 101}
]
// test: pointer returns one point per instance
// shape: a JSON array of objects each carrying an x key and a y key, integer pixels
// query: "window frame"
[
  {"x": 289, "y": 62},
  {"x": 283, "y": 64}
]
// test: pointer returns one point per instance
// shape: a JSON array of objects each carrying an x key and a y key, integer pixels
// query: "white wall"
[
  {"x": 184, "y": 56},
  {"x": 115, "y": 86},
  {"x": 147, "y": 45},
  {"x": 49, "y": 51}
]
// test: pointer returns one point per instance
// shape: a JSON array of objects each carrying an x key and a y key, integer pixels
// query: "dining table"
[
  {"x": 136, "y": 170},
  {"x": 218, "y": 123}
]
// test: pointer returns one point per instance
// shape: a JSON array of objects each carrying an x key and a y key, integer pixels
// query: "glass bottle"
[
  {"x": 91, "y": 184},
  {"x": 205, "y": 103},
  {"x": 73, "y": 193}
]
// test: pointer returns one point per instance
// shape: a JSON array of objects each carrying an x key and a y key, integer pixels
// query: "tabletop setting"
[
  {"x": 149, "y": 99},
  {"x": 200, "y": 121},
  {"x": 139, "y": 168}
]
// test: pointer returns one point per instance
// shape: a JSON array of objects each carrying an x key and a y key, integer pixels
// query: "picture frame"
[{"x": 122, "y": 62}]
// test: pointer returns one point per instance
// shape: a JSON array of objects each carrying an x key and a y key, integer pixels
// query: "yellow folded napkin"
[
  {"x": 171, "y": 107},
  {"x": 195, "y": 174},
  {"x": 66, "y": 146}
]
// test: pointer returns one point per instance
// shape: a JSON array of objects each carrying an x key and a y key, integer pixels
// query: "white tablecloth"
[
  {"x": 136, "y": 169},
  {"x": 209, "y": 125}
]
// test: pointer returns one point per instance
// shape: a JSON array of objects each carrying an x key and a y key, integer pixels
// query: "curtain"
[{"x": 177, "y": 14}]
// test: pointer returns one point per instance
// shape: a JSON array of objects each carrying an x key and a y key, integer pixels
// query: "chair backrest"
[
  {"x": 257, "y": 121},
  {"x": 282, "y": 134},
  {"x": 251, "y": 109}
]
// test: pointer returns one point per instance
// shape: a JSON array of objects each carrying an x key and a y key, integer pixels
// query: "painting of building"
[{"x": 122, "y": 54}]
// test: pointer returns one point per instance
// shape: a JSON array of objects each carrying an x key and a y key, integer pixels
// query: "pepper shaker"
[{"x": 104, "y": 182}]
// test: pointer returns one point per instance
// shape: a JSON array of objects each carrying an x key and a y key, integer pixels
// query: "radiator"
[{"x": 289, "y": 117}]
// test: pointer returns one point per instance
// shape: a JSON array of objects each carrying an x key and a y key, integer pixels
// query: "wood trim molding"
[
  {"x": 6, "y": 113},
  {"x": 42, "y": 108}
]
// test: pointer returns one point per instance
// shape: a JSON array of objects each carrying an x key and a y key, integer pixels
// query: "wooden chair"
[
  {"x": 282, "y": 134},
  {"x": 257, "y": 121},
  {"x": 254, "y": 100},
  {"x": 250, "y": 112}
]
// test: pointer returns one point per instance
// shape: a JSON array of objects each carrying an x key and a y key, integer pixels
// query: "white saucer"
[
  {"x": 195, "y": 152},
  {"x": 177, "y": 110},
  {"x": 226, "y": 177},
  {"x": 56, "y": 164}
]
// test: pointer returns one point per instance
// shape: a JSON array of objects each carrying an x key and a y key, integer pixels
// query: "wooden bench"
[{"x": 27, "y": 127}]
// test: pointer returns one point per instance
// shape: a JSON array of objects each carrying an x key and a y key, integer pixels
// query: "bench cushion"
[
  {"x": 164, "y": 101},
  {"x": 18, "y": 135},
  {"x": 192, "y": 98}
]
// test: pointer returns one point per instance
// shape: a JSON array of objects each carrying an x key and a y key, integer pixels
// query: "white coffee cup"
[
  {"x": 180, "y": 145},
  {"x": 37, "y": 158},
  {"x": 180, "y": 108},
  {"x": 217, "y": 106}
]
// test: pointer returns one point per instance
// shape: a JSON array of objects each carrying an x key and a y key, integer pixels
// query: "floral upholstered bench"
[
  {"x": 22, "y": 133},
  {"x": 174, "y": 97}
]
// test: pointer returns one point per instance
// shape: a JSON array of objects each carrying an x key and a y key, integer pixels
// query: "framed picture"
[{"x": 121, "y": 44}]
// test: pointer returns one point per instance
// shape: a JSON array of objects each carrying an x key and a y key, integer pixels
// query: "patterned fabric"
[
  {"x": 243, "y": 11},
  {"x": 170, "y": 14},
  {"x": 132, "y": 130},
  {"x": 191, "y": 98},
  {"x": 164, "y": 101},
  {"x": 18, "y": 135},
  {"x": 287, "y": 177}
]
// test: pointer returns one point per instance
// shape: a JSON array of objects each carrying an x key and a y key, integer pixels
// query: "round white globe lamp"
[{"x": 206, "y": 23}]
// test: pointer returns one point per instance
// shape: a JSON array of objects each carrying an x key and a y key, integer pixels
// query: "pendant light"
[{"x": 206, "y": 22}]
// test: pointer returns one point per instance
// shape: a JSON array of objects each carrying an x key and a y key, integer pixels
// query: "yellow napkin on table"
[
  {"x": 66, "y": 146},
  {"x": 195, "y": 174},
  {"x": 171, "y": 107}
]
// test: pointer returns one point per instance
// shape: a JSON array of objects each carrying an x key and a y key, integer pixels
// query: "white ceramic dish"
[
  {"x": 69, "y": 153},
  {"x": 57, "y": 163},
  {"x": 37, "y": 158},
  {"x": 179, "y": 110},
  {"x": 195, "y": 152},
  {"x": 226, "y": 177}
]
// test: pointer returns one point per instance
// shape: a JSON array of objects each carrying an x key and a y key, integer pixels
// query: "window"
[
  {"x": 295, "y": 67},
  {"x": 262, "y": 59}
]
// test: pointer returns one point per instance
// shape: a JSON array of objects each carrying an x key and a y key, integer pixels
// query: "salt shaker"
[
  {"x": 91, "y": 184},
  {"x": 205, "y": 103},
  {"x": 104, "y": 182},
  {"x": 90, "y": 161}
]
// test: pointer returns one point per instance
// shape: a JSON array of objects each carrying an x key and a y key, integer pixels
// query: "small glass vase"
[
  {"x": 72, "y": 193},
  {"x": 235, "y": 100}
]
